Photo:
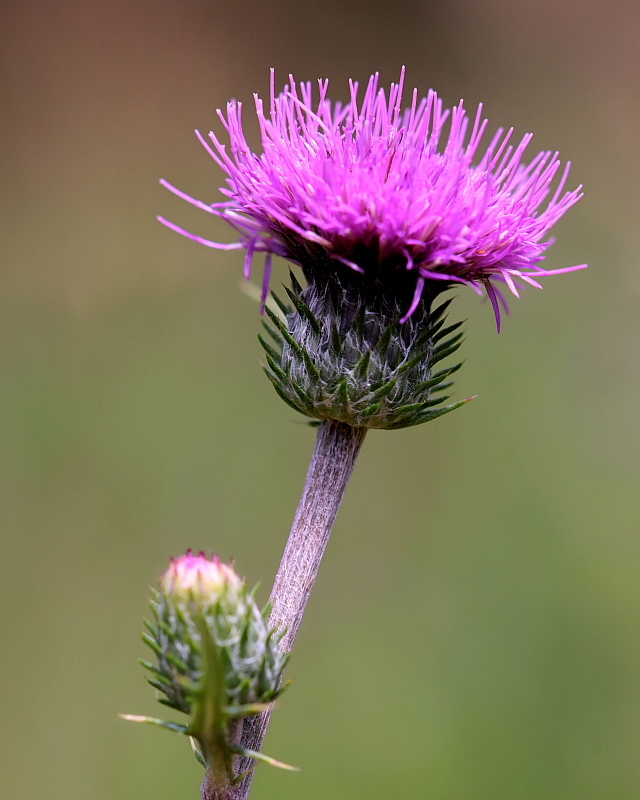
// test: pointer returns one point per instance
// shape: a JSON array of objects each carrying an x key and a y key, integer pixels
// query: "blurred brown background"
[{"x": 475, "y": 632}]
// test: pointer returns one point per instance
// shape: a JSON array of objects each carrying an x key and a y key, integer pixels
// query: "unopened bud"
[{"x": 217, "y": 659}]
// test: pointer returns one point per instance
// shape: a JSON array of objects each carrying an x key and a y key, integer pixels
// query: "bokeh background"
[{"x": 475, "y": 632}]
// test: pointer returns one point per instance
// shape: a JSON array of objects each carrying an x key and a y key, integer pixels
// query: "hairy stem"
[
  {"x": 218, "y": 778},
  {"x": 335, "y": 453}
]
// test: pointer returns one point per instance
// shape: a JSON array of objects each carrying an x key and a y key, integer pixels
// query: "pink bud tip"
[{"x": 198, "y": 577}]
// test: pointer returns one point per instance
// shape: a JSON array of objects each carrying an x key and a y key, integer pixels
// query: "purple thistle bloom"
[{"x": 379, "y": 190}]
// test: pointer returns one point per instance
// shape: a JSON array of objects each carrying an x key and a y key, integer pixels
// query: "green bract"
[{"x": 340, "y": 355}]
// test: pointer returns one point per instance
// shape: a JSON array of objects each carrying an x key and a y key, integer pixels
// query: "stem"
[
  {"x": 215, "y": 788},
  {"x": 336, "y": 450},
  {"x": 218, "y": 778}
]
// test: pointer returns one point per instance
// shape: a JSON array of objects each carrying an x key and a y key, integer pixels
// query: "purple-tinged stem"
[{"x": 336, "y": 450}]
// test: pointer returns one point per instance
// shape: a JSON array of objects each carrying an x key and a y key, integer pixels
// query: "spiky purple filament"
[{"x": 335, "y": 179}]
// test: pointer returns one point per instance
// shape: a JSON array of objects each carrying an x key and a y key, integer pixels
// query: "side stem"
[{"x": 336, "y": 450}]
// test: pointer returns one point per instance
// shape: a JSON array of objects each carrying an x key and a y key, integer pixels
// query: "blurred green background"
[{"x": 475, "y": 631}]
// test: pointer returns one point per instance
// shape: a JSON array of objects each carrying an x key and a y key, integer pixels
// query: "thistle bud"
[{"x": 217, "y": 661}]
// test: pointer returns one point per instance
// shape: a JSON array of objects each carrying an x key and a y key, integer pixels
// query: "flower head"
[
  {"x": 204, "y": 600},
  {"x": 387, "y": 192},
  {"x": 217, "y": 660}
]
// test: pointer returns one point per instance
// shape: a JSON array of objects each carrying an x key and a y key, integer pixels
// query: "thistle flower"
[
  {"x": 217, "y": 661},
  {"x": 382, "y": 190},
  {"x": 383, "y": 209}
]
